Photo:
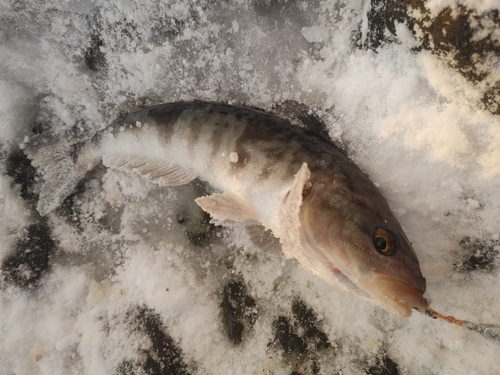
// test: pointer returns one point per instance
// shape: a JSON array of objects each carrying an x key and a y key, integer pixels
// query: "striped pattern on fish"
[{"x": 324, "y": 209}]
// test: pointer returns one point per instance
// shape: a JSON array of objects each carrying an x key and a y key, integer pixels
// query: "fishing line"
[{"x": 489, "y": 331}]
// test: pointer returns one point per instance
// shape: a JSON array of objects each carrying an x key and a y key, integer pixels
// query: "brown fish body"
[{"x": 324, "y": 209}]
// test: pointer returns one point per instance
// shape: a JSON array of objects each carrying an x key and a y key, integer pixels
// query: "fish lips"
[{"x": 398, "y": 297}]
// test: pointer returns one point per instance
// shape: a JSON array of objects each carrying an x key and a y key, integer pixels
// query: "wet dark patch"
[
  {"x": 24, "y": 175},
  {"x": 383, "y": 365},
  {"x": 111, "y": 219},
  {"x": 44, "y": 116},
  {"x": 94, "y": 56},
  {"x": 126, "y": 34},
  {"x": 163, "y": 356},
  {"x": 199, "y": 231},
  {"x": 70, "y": 208},
  {"x": 284, "y": 10},
  {"x": 300, "y": 338},
  {"x": 165, "y": 27},
  {"x": 477, "y": 255},
  {"x": 267, "y": 7},
  {"x": 182, "y": 218},
  {"x": 263, "y": 238},
  {"x": 48, "y": 119},
  {"x": 32, "y": 257},
  {"x": 306, "y": 368},
  {"x": 307, "y": 319},
  {"x": 88, "y": 188},
  {"x": 287, "y": 339},
  {"x": 196, "y": 223},
  {"x": 204, "y": 232},
  {"x": 238, "y": 311}
]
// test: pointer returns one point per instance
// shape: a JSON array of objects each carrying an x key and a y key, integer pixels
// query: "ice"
[
  {"x": 139, "y": 270},
  {"x": 314, "y": 34}
]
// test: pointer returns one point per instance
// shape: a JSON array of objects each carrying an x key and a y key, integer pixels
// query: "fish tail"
[{"x": 57, "y": 162}]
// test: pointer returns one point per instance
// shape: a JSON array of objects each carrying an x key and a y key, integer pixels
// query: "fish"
[{"x": 322, "y": 207}]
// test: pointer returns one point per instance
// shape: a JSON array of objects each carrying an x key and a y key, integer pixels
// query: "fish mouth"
[
  {"x": 398, "y": 297},
  {"x": 391, "y": 294}
]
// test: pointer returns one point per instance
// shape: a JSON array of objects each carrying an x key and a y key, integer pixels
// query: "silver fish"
[{"x": 323, "y": 208}]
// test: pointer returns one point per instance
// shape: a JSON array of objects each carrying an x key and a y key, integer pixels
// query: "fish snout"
[{"x": 399, "y": 297}]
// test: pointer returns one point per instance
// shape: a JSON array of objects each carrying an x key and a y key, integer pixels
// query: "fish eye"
[{"x": 383, "y": 241}]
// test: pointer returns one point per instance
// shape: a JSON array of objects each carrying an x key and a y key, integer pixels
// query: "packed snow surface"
[{"x": 128, "y": 277}]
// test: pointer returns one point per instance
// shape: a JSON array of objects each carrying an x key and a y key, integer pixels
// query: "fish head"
[{"x": 362, "y": 242}]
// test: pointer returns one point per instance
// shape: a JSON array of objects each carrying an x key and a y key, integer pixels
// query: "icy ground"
[{"x": 127, "y": 277}]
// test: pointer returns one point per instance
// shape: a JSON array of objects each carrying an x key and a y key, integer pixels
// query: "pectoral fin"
[
  {"x": 155, "y": 170},
  {"x": 227, "y": 206}
]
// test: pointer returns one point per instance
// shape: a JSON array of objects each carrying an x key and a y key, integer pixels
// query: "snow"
[
  {"x": 126, "y": 246},
  {"x": 314, "y": 34}
]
